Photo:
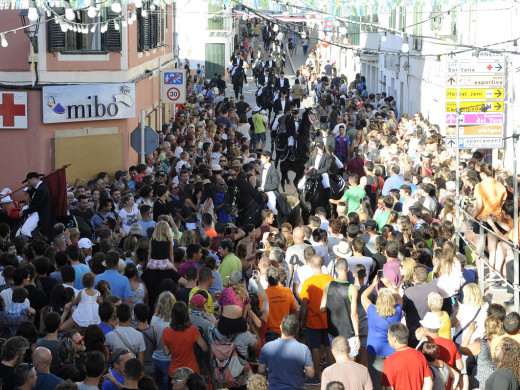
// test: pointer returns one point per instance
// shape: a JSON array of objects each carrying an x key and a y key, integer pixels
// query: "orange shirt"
[
  {"x": 312, "y": 291},
  {"x": 281, "y": 303},
  {"x": 493, "y": 195},
  {"x": 211, "y": 233},
  {"x": 181, "y": 348}
]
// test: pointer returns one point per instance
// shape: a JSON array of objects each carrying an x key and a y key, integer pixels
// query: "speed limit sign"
[
  {"x": 174, "y": 85},
  {"x": 174, "y": 94}
]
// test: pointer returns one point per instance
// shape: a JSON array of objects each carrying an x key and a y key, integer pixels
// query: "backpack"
[{"x": 228, "y": 367}]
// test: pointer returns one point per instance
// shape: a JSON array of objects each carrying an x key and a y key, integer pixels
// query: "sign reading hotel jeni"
[{"x": 92, "y": 102}]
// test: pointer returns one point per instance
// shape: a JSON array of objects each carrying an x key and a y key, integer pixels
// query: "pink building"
[{"x": 89, "y": 90}]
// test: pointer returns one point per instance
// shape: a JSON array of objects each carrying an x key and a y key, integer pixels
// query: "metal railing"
[{"x": 480, "y": 251}]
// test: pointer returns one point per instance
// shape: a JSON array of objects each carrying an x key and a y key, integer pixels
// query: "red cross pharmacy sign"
[{"x": 13, "y": 110}]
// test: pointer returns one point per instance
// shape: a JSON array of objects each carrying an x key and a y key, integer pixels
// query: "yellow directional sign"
[
  {"x": 476, "y": 93},
  {"x": 475, "y": 106}
]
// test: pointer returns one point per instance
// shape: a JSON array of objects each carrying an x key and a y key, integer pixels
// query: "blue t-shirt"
[
  {"x": 80, "y": 269},
  {"x": 145, "y": 225},
  {"x": 119, "y": 285},
  {"x": 46, "y": 381},
  {"x": 217, "y": 284},
  {"x": 377, "y": 342},
  {"x": 107, "y": 385},
  {"x": 285, "y": 359},
  {"x": 105, "y": 328}
]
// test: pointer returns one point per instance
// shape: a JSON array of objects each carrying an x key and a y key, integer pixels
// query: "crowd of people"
[{"x": 154, "y": 280}]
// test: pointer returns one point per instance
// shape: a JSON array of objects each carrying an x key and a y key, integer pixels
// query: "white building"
[
  {"x": 418, "y": 79},
  {"x": 206, "y": 34}
]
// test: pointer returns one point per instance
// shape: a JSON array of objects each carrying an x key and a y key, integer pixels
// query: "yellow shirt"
[
  {"x": 445, "y": 330},
  {"x": 497, "y": 339}
]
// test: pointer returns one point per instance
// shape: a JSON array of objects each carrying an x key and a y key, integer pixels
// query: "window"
[
  {"x": 353, "y": 31},
  {"x": 365, "y": 27},
  {"x": 90, "y": 43},
  {"x": 150, "y": 28},
  {"x": 453, "y": 22},
  {"x": 417, "y": 28},
  {"x": 215, "y": 19}
]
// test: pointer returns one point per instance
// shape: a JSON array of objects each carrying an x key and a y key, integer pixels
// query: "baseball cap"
[
  {"x": 197, "y": 301},
  {"x": 85, "y": 243}
]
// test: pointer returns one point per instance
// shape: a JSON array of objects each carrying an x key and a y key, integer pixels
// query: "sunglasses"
[
  {"x": 79, "y": 342},
  {"x": 118, "y": 355}
]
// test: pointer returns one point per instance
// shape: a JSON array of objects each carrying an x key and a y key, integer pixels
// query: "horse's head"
[{"x": 311, "y": 188}]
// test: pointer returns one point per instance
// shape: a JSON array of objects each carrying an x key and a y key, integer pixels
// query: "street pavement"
[{"x": 292, "y": 64}]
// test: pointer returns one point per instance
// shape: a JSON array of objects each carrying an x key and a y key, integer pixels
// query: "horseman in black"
[{"x": 319, "y": 165}]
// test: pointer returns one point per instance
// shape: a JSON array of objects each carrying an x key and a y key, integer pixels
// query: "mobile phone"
[
  {"x": 256, "y": 273},
  {"x": 380, "y": 274},
  {"x": 261, "y": 245}
]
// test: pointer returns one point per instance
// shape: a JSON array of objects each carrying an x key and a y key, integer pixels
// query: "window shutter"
[
  {"x": 154, "y": 30},
  {"x": 163, "y": 25},
  {"x": 143, "y": 32},
  {"x": 56, "y": 39},
  {"x": 112, "y": 36}
]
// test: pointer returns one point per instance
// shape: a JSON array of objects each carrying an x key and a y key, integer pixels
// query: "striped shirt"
[{"x": 342, "y": 144}]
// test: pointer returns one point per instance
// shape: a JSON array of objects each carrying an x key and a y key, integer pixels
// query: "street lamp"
[{"x": 29, "y": 28}]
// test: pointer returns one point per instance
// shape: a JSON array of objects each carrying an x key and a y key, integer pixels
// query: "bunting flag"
[
  {"x": 335, "y": 7},
  {"x": 57, "y": 183}
]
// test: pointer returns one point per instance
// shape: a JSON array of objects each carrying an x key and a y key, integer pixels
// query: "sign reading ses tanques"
[{"x": 92, "y": 102}]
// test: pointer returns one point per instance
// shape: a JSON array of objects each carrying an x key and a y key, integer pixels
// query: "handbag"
[{"x": 465, "y": 327}]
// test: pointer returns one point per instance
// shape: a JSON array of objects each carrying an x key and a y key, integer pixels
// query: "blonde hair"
[
  {"x": 447, "y": 259},
  {"x": 494, "y": 327},
  {"x": 188, "y": 237},
  {"x": 472, "y": 295},
  {"x": 162, "y": 232},
  {"x": 385, "y": 304},
  {"x": 257, "y": 382},
  {"x": 435, "y": 301},
  {"x": 240, "y": 291},
  {"x": 408, "y": 264},
  {"x": 163, "y": 306}
]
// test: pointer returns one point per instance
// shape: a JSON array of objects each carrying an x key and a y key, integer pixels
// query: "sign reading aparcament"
[{"x": 92, "y": 102}]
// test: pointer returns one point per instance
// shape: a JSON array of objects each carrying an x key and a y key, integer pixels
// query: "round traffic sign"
[{"x": 174, "y": 94}]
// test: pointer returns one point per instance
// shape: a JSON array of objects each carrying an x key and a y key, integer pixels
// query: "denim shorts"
[{"x": 260, "y": 137}]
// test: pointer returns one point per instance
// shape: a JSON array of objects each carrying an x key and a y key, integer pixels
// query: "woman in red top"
[{"x": 179, "y": 340}]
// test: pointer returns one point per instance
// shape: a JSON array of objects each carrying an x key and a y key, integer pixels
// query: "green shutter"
[
  {"x": 353, "y": 31},
  {"x": 56, "y": 39},
  {"x": 112, "y": 37},
  {"x": 393, "y": 18},
  {"x": 215, "y": 58},
  {"x": 402, "y": 19}
]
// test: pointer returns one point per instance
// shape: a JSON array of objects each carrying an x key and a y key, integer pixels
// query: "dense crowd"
[{"x": 186, "y": 271}]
